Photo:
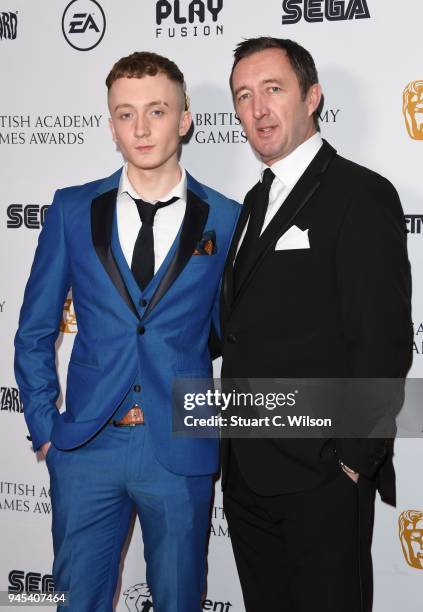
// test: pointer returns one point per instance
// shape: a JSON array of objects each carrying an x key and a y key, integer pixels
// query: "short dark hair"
[
  {"x": 145, "y": 63},
  {"x": 300, "y": 59}
]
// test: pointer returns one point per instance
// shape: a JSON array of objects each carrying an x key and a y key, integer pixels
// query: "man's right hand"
[{"x": 44, "y": 449}]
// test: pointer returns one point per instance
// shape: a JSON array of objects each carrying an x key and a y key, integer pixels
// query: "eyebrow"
[
  {"x": 273, "y": 80},
  {"x": 153, "y": 103}
]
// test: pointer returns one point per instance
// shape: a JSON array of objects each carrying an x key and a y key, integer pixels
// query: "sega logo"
[
  {"x": 318, "y": 10},
  {"x": 31, "y": 215},
  {"x": 30, "y": 582}
]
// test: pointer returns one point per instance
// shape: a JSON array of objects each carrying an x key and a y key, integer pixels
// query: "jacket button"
[
  {"x": 143, "y": 303},
  {"x": 231, "y": 338},
  {"x": 141, "y": 330},
  {"x": 137, "y": 388}
]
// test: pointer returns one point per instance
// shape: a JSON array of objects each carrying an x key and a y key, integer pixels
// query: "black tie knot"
[
  {"x": 146, "y": 211},
  {"x": 267, "y": 180}
]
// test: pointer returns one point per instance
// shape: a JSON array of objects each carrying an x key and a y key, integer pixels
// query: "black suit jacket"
[{"x": 341, "y": 308}]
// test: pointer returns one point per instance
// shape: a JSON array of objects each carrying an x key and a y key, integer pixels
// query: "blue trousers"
[{"x": 94, "y": 489}]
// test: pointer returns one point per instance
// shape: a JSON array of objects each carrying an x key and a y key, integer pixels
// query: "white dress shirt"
[
  {"x": 167, "y": 220},
  {"x": 287, "y": 172}
]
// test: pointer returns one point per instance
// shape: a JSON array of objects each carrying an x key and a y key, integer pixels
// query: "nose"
[
  {"x": 142, "y": 126},
  {"x": 259, "y": 106}
]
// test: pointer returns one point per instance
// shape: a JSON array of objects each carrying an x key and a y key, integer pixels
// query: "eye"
[
  {"x": 125, "y": 116},
  {"x": 157, "y": 112},
  {"x": 275, "y": 89},
  {"x": 244, "y": 96}
]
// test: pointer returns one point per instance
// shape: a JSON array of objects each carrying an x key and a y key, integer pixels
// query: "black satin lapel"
[
  {"x": 193, "y": 224},
  {"x": 297, "y": 199},
  {"x": 102, "y": 214},
  {"x": 242, "y": 221},
  {"x": 229, "y": 266}
]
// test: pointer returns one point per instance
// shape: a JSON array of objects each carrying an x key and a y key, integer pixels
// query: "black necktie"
[
  {"x": 142, "y": 265},
  {"x": 258, "y": 212}
]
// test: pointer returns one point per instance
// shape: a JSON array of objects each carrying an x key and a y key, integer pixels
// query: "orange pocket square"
[{"x": 207, "y": 244}]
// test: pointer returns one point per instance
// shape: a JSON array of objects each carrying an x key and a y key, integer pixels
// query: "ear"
[
  {"x": 112, "y": 129},
  {"x": 314, "y": 96},
  {"x": 185, "y": 123}
]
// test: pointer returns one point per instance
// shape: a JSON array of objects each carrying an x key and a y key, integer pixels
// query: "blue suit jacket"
[{"x": 75, "y": 250}]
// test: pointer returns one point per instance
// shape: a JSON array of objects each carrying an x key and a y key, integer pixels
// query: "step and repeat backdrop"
[{"x": 54, "y": 57}]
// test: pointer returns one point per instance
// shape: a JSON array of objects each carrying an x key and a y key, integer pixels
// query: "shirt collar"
[
  {"x": 178, "y": 191},
  {"x": 289, "y": 169}
]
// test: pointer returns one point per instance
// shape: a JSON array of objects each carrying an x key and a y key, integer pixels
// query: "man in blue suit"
[{"x": 143, "y": 251}]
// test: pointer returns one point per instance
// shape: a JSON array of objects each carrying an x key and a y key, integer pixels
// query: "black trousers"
[{"x": 303, "y": 552}]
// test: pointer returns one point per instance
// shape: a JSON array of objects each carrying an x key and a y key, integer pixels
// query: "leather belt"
[{"x": 134, "y": 416}]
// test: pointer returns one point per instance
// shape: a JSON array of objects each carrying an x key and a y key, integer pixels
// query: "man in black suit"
[{"x": 317, "y": 284}]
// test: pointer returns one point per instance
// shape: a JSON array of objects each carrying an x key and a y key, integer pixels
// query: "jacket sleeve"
[
  {"x": 39, "y": 321},
  {"x": 374, "y": 282}
]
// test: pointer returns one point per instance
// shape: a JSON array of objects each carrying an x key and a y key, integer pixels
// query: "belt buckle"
[{"x": 131, "y": 414}]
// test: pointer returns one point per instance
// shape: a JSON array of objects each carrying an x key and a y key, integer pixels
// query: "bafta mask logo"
[
  {"x": 68, "y": 322},
  {"x": 138, "y": 598},
  {"x": 411, "y": 536},
  {"x": 413, "y": 109}
]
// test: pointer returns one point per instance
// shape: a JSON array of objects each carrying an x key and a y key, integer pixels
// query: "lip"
[
  {"x": 265, "y": 130},
  {"x": 144, "y": 148}
]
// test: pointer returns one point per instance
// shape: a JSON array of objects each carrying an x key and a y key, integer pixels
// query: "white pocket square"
[{"x": 294, "y": 238}]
